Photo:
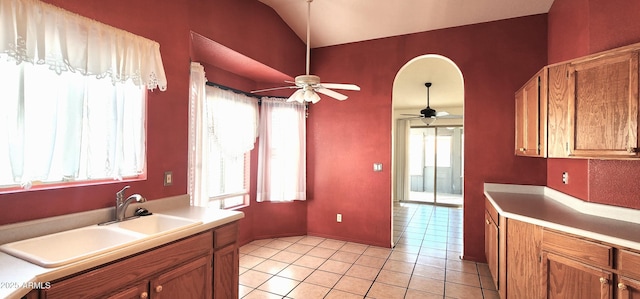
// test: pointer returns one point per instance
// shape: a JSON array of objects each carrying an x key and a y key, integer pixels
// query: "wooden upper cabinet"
[
  {"x": 603, "y": 106},
  {"x": 531, "y": 116},
  {"x": 558, "y": 111}
]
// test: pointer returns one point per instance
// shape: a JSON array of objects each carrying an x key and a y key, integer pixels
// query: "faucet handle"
[{"x": 120, "y": 194}]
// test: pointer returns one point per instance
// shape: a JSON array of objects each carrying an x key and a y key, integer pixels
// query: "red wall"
[
  {"x": 578, "y": 28},
  {"x": 232, "y": 23},
  {"x": 346, "y": 138}
]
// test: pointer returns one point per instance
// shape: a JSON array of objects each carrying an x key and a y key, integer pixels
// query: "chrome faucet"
[{"x": 122, "y": 204}]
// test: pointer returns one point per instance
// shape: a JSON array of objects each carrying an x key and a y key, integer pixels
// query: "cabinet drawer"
[
  {"x": 629, "y": 263},
  {"x": 225, "y": 235},
  {"x": 579, "y": 249},
  {"x": 492, "y": 211}
]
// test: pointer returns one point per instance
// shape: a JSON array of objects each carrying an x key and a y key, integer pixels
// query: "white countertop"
[
  {"x": 549, "y": 208},
  {"x": 17, "y": 276}
]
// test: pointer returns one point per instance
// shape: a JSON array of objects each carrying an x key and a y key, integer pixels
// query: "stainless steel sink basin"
[
  {"x": 66, "y": 247},
  {"x": 70, "y": 246},
  {"x": 156, "y": 224}
]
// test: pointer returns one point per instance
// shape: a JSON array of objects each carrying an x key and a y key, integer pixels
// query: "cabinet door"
[
  {"x": 191, "y": 280},
  {"x": 566, "y": 278},
  {"x": 225, "y": 272},
  {"x": 603, "y": 106},
  {"x": 558, "y": 111},
  {"x": 531, "y": 125},
  {"x": 524, "y": 276},
  {"x": 628, "y": 288},
  {"x": 491, "y": 247}
]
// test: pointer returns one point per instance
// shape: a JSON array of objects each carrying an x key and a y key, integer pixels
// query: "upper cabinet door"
[
  {"x": 531, "y": 116},
  {"x": 558, "y": 111},
  {"x": 603, "y": 106}
]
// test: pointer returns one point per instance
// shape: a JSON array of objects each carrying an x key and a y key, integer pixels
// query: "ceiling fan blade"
[
  {"x": 341, "y": 86},
  {"x": 273, "y": 88},
  {"x": 442, "y": 113},
  {"x": 415, "y": 115},
  {"x": 331, "y": 93}
]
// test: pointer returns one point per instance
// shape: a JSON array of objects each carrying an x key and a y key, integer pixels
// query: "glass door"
[{"x": 435, "y": 165}]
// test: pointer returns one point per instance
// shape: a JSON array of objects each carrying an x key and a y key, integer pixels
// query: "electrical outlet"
[
  {"x": 377, "y": 167},
  {"x": 168, "y": 178},
  {"x": 338, "y": 217},
  {"x": 565, "y": 178}
]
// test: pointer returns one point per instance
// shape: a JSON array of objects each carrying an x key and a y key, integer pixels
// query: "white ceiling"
[{"x": 335, "y": 22}]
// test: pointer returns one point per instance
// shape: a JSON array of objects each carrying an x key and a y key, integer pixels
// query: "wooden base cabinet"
[
  {"x": 628, "y": 265},
  {"x": 225, "y": 262},
  {"x": 576, "y": 267},
  {"x": 202, "y": 266},
  {"x": 524, "y": 275},
  {"x": 567, "y": 278},
  {"x": 628, "y": 288},
  {"x": 178, "y": 270}
]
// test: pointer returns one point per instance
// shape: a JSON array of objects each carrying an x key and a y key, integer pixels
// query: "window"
[
  {"x": 282, "y": 151},
  {"x": 73, "y": 98},
  {"x": 68, "y": 127},
  {"x": 222, "y": 131}
]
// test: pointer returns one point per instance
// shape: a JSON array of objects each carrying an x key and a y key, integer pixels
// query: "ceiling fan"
[
  {"x": 309, "y": 85},
  {"x": 428, "y": 115}
]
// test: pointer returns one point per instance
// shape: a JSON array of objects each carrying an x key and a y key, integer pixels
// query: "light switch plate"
[
  {"x": 168, "y": 178},
  {"x": 377, "y": 166}
]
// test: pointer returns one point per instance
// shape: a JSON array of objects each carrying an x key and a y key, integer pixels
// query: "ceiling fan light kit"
[
  {"x": 429, "y": 115},
  {"x": 309, "y": 85}
]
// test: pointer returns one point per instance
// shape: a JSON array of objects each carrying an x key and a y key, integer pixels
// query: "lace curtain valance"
[{"x": 41, "y": 33}]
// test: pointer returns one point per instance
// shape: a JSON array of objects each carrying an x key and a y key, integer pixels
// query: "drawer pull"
[
  {"x": 622, "y": 286},
  {"x": 158, "y": 289},
  {"x": 144, "y": 295},
  {"x": 604, "y": 280},
  {"x": 488, "y": 221}
]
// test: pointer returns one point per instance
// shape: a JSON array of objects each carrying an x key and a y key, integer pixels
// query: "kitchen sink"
[
  {"x": 70, "y": 246},
  {"x": 156, "y": 224}
]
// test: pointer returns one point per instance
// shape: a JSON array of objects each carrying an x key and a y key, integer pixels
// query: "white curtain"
[
  {"x": 281, "y": 151},
  {"x": 223, "y": 126},
  {"x": 40, "y": 33},
  {"x": 232, "y": 120},
  {"x": 67, "y": 127},
  {"x": 197, "y": 189}
]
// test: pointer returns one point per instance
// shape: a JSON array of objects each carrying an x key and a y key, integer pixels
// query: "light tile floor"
[{"x": 425, "y": 263}]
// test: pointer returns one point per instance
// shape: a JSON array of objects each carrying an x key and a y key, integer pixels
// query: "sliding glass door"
[{"x": 435, "y": 165}]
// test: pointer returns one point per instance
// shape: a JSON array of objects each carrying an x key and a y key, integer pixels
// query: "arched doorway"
[{"x": 446, "y": 93}]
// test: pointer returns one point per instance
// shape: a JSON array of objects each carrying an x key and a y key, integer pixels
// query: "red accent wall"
[
  {"x": 346, "y": 138},
  {"x": 578, "y": 28}
]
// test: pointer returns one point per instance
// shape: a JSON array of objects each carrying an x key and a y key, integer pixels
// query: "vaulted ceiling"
[{"x": 335, "y": 22}]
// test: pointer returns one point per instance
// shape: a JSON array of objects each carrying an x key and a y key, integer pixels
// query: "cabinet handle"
[
  {"x": 604, "y": 280},
  {"x": 522, "y": 149},
  {"x": 487, "y": 220},
  {"x": 144, "y": 295},
  {"x": 158, "y": 289},
  {"x": 622, "y": 286}
]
